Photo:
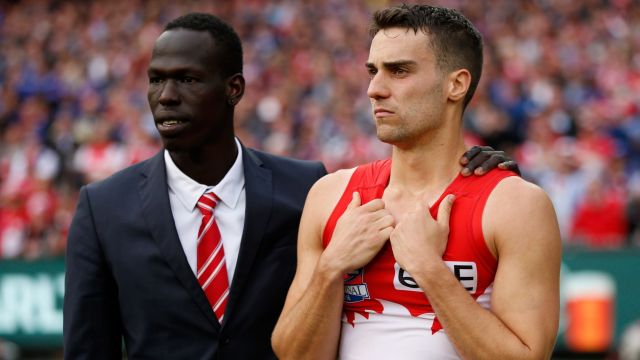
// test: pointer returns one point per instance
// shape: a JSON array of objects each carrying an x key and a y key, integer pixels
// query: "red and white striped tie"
[{"x": 212, "y": 269}]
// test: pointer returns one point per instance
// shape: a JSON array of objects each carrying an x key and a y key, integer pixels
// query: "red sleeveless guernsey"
[{"x": 386, "y": 314}]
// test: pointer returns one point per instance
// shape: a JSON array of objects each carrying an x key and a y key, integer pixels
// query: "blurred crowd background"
[{"x": 560, "y": 92}]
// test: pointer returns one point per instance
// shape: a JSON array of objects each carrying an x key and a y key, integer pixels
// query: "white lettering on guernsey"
[
  {"x": 402, "y": 280},
  {"x": 464, "y": 271}
]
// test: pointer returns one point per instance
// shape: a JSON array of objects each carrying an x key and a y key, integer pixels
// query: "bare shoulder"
[
  {"x": 516, "y": 193},
  {"x": 518, "y": 209},
  {"x": 329, "y": 188},
  {"x": 323, "y": 197}
]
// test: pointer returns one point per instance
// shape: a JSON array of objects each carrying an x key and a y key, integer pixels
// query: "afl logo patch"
[{"x": 355, "y": 289}]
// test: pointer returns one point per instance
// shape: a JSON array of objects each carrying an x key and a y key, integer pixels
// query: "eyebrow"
[
  {"x": 173, "y": 71},
  {"x": 393, "y": 64}
]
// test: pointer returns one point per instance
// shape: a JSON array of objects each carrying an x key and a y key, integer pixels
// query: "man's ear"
[
  {"x": 459, "y": 82},
  {"x": 235, "y": 89}
]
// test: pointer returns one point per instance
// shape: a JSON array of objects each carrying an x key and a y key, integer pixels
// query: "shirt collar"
[{"x": 188, "y": 191}]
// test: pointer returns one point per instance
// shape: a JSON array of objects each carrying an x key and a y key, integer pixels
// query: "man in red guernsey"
[{"x": 406, "y": 259}]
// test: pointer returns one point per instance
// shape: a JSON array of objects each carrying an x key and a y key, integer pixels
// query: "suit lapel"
[
  {"x": 157, "y": 212},
  {"x": 259, "y": 195}
]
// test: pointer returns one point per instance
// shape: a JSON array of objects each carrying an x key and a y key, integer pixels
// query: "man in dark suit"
[
  {"x": 128, "y": 266},
  {"x": 137, "y": 261}
]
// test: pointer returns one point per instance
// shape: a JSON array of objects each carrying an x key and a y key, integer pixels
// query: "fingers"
[
  {"x": 355, "y": 200},
  {"x": 444, "y": 211},
  {"x": 481, "y": 159},
  {"x": 373, "y": 205},
  {"x": 474, "y": 163},
  {"x": 385, "y": 233},
  {"x": 476, "y": 156},
  {"x": 491, "y": 163},
  {"x": 470, "y": 154},
  {"x": 510, "y": 165},
  {"x": 373, "y": 213},
  {"x": 485, "y": 161},
  {"x": 386, "y": 220}
]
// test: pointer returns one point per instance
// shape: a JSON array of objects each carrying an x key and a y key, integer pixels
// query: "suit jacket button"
[{"x": 226, "y": 341}]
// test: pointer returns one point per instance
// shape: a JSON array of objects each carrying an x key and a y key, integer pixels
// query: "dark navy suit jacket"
[{"x": 128, "y": 277}]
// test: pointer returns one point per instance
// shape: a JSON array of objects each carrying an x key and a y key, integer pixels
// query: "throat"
[
  {"x": 406, "y": 196},
  {"x": 205, "y": 169},
  {"x": 426, "y": 184}
]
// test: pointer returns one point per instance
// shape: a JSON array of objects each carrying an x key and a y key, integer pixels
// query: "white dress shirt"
[{"x": 184, "y": 193}]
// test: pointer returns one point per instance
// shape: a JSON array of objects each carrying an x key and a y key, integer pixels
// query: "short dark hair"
[
  {"x": 226, "y": 39},
  {"x": 456, "y": 42}
]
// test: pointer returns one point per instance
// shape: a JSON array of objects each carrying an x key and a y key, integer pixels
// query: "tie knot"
[{"x": 207, "y": 203}]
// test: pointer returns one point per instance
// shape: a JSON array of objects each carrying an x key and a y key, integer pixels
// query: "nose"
[
  {"x": 378, "y": 88},
  {"x": 169, "y": 93}
]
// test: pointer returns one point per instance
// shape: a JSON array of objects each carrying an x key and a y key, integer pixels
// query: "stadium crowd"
[{"x": 560, "y": 92}]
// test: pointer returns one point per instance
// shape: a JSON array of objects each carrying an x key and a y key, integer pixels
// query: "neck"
[
  {"x": 426, "y": 166},
  {"x": 209, "y": 164}
]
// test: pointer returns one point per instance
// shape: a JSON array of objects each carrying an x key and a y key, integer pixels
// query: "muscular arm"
[
  {"x": 310, "y": 320},
  {"x": 91, "y": 319},
  {"x": 520, "y": 222}
]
